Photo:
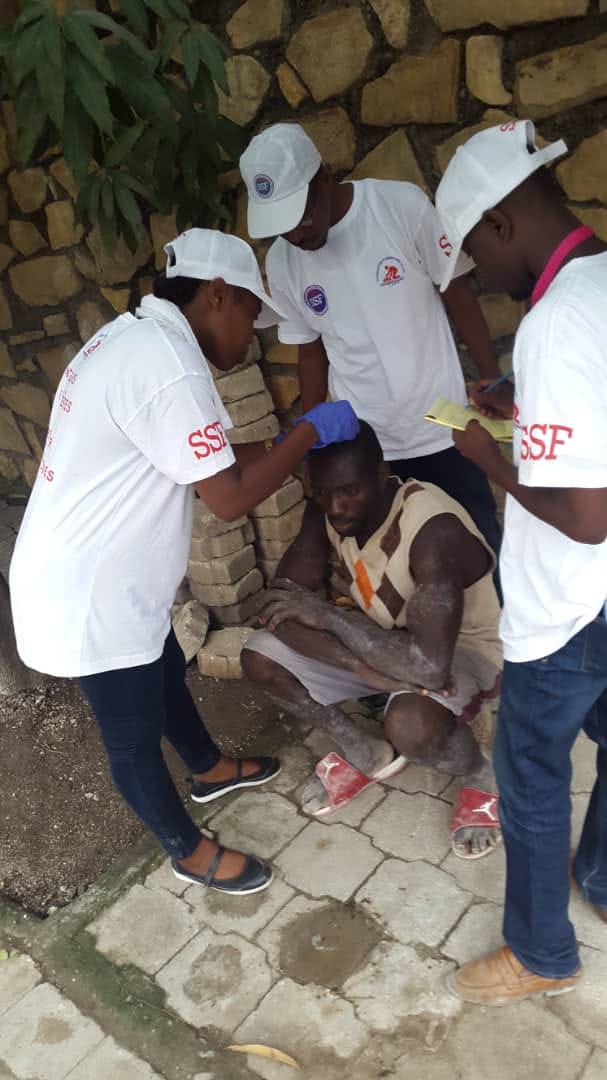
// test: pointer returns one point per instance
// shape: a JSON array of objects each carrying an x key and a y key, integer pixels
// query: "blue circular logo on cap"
[
  {"x": 316, "y": 299},
  {"x": 264, "y": 186}
]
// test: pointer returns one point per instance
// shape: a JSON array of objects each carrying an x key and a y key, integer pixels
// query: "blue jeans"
[
  {"x": 134, "y": 708},
  {"x": 544, "y": 705}
]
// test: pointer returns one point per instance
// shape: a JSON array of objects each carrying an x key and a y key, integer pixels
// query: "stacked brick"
[
  {"x": 276, "y": 522},
  {"x": 222, "y": 570}
]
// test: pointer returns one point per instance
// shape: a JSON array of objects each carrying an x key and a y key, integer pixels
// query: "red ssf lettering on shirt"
[
  {"x": 445, "y": 244},
  {"x": 65, "y": 403},
  {"x": 540, "y": 441},
  {"x": 208, "y": 441},
  {"x": 48, "y": 474}
]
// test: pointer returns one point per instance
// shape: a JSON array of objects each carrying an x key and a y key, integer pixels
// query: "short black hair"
[
  {"x": 364, "y": 449},
  {"x": 179, "y": 290}
]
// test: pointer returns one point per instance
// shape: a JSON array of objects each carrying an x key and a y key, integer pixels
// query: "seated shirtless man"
[{"x": 421, "y": 573}]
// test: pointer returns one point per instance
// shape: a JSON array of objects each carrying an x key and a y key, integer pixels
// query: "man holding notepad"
[
  {"x": 355, "y": 268},
  {"x": 499, "y": 203}
]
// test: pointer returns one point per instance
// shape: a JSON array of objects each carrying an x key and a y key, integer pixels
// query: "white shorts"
[{"x": 475, "y": 678}]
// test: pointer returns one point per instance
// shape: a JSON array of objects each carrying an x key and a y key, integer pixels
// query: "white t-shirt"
[
  {"x": 554, "y": 586},
  {"x": 104, "y": 542},
  {"x": 371, "y": 294}
]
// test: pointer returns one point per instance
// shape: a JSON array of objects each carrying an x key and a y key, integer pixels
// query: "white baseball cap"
[
  {"x": 277, "y": 167},
  {"x": 206, "y": 254},
  {"x": 481, "y": 173}
]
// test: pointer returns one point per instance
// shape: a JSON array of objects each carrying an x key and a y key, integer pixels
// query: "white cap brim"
[{"x": 276, "y": 216}]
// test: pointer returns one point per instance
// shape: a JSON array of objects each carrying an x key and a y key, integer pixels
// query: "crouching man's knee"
[{"x": 418, "y": 727}]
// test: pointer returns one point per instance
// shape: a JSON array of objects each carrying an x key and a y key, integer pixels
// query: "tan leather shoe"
[{"x": 500, "y": 979}]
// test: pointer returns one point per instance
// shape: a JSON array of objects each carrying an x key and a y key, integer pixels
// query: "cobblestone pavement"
[{"x": 341, "y": 963}]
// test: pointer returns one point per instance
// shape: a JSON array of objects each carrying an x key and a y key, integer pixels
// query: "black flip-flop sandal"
[
  {"x": 203, "y": 792},
  {"x": 255, "y": 876}
]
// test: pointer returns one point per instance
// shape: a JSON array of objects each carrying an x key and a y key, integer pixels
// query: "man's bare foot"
[
  {"x": 474, "y": 841},
  {"x": 231, "y": 863},
  {"x": 375, "y": 753}
]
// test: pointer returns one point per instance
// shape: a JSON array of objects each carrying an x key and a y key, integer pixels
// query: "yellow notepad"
[{"x": 450, "y": 414}]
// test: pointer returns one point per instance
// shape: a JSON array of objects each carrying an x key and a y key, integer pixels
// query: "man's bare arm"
[
  {"x": 444, "y": 559},
  {"x": 306, "y": 560},
  {"x": 470, "y": 325},
  {"x": 313, "y": 367}
]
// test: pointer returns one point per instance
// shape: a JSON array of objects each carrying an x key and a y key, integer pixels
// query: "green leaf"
[
  {"x": 169, "y": 40},
  {"x": 138, "y": 85},
  {"x": 131, "y": 238},
  {"x": 124, "y": 179},
  {"x": 86, "y": 41},
  {"x": 87, "y": 203},
  {"x": 136, "y": 15},
  {"x": 128, "y": 206},
  {"x": 179, "y": 9},
  {"x": 104, "y": 22},
  {"x": 53, "y": 44},
  {"x": 77, "y": 138},
  {"x": 31, "y": 115},
  {"x": 190, "y": 56},
  {"x": 206, "y": 93},
  {"x": 212, "y": 54},
  {"x": 107, "y": 198},
  {"x": 89, "y": 87},
  {"x": 51, "y": 84},
  {"x": 160, "y": 8},
  {"x": 28, "y": 46},
  {"x": 125, "y": 143},
  {"x": 36, "y": 9},
  {"x": 108, "y": 227}
]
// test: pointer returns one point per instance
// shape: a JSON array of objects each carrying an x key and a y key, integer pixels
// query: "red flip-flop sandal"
[
  {"x": 474, "y": 809},
  {"x": 342, "y": 782}
]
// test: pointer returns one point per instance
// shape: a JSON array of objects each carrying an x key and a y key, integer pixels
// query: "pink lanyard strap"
[{"x": 556, "y": 260}]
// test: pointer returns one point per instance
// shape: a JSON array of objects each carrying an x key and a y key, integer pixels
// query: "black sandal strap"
[
  {"x": 238, "y": 769},
  {"x": 210, "y": 874}
]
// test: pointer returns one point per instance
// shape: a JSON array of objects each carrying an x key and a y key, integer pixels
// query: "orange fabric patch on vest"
[{"x": 363, "y": 582}]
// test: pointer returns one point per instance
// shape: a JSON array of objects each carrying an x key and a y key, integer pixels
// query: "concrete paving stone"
[
  {"x": 44, "y": 1035},
  {"x": 319, "y": 744},
  {"x": 579, "y": 806},
  {"x": 164, "y": 878},
  {"x": 217, "y": 979},
  {"x": 419, "y": 778},
  {"x": 5, "y": 1072},
  {"x": 272, "y": 936},
  {"x": 18, "y": 975},
  {"x": 486, "y": 878},
  {"x": 415, "y": 901},
  {"x": 396, "y": 984},
  {"x": 411, "y": 827},
  {"x": 258, "y": 822},
  {"x": 109, "y": 1060},
  {"x": 244, "y": 915},
  {"x": 585, "y": 1008},
  {"x": 12, "y": 516},
  {"x": 328, "y": 860},
  {"x": 583, "y": 758},
  {"x": 297, "y": 764},
  {"x": 145, "y": 928},
  {"x": 500, "y": 1044},
  {"x": 596, "y": 1068},
  {"x": 314, "y": 1025},
  {"x": 479, "y": 932}
]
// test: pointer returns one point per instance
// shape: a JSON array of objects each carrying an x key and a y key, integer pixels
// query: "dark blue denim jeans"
[
  {"x": 544, "y": 705},
  {"x": 134, "y": 708}
]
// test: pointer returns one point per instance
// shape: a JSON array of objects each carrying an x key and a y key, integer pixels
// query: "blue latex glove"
[{"x": 335, "y": 421}]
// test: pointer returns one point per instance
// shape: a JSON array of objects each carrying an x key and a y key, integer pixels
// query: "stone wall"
[{"x": 386, "y": 88}]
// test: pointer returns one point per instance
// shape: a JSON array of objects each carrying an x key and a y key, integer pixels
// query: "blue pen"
[{"x": 493, "y": 385}]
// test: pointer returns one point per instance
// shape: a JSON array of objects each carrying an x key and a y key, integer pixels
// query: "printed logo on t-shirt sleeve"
[
  {"x": 207, "y": 441},
  {"x": 539, "y": 441}
]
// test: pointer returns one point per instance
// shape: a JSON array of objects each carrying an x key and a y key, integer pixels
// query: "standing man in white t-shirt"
[
  {"x": 499, "y": 202},
  {"x": 355, "y": 268},
  {"x": 136, "y": 425}
]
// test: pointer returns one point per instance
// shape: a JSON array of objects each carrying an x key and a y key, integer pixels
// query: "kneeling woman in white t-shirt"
[{"x": 136, "y": 425}]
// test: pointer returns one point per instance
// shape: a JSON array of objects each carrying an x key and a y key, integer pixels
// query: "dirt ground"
[{"x": 61, "y": 822}]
